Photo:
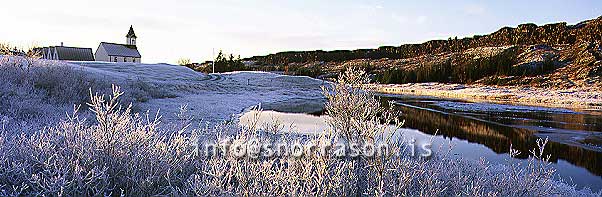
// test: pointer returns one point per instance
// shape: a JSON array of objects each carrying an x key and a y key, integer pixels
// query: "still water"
[{"x": 484, "y": 130}]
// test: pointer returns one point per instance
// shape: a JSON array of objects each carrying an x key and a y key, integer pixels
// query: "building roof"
[
  {"x": 120, "y": 50},
  {"x": 74, "y": 53},
  {"x": 70, "y": 53},
  {"x": 131, "y": 33}
]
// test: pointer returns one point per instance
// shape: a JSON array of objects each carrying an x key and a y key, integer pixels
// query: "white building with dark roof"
[{"x": 113, "y": 52}]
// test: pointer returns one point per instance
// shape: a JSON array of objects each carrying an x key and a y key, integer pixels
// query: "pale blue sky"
[{"x": 169, "y": 30}]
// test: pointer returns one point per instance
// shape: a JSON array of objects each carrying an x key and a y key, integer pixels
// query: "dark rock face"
[
  {"x": 553, "y": 55},
  {"x": 596, "y": 70},
  {"x": 525, "y": 34},
  {"x": 541, "y": 47}
]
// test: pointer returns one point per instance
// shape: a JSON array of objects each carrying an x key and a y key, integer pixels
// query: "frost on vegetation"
[
  {"x": 29, "y": 86},
  {"x": 35, "y": 93},
  {"x": 119, "y": 152}
]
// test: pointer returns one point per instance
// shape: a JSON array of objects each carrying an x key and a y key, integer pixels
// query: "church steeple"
[{"x": 131, "y": 36}]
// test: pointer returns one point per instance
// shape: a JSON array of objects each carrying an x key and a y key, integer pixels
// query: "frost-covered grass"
[
  {"x": 35, "y": 92},
  {"x": 26, "y": 81},
  {"x": 118, "y": 152},
  {"x": 209, "y": 97}
]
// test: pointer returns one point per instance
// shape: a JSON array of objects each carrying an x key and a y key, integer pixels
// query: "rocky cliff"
[{"x": 549, "y": 55}]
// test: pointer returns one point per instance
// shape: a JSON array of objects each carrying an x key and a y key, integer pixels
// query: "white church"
[{"x": 113, "y": 52}]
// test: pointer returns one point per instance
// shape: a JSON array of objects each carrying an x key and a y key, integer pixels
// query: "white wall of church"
[
  {"x": 101, "y": 54},
  {"x": 123, "y": 59}
]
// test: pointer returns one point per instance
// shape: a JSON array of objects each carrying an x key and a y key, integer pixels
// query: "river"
[{"x": 486, "y": 130}]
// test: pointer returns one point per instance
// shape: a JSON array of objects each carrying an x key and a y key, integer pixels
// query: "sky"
[{"x": 193, "y": 29}]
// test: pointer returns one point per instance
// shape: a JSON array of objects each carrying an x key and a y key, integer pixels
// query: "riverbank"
[{"x": 574, "y": 98}]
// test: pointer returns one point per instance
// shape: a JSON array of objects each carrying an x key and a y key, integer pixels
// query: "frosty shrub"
[
  {"x": 30, "y": 87},
  {"x": 36, "y": 92},
  {"x": 142, "y": 91},
  {"x": 118, "y": 152}
]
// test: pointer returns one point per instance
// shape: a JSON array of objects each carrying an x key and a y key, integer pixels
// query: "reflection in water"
[
  {"x": 289, "y": 122},
  {"x": 498, "y": 130},
  {"x": 488, "y": 134},
  {"x": 496, "y": 136}
]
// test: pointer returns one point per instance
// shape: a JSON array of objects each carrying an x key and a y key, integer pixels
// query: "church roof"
[
  {"x": 120, "y": 50},
  {"x": 131, "y": 33}
]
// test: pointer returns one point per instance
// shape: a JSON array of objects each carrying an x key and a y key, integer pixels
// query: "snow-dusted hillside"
[
  {"x": 212, "y": 97},
  {"x": 120, "y": 153}
]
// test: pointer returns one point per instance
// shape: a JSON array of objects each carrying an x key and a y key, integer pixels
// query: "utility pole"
[{"x": 213, "y": 56}]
